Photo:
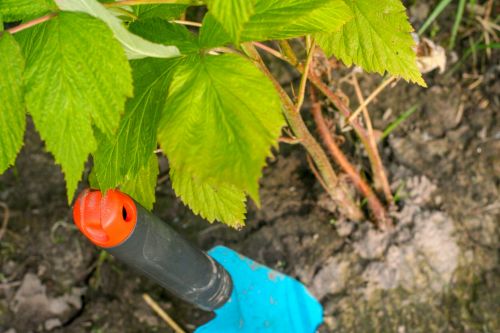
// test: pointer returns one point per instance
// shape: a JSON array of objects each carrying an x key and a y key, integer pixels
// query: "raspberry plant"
[{"x": 115, "y": 80}]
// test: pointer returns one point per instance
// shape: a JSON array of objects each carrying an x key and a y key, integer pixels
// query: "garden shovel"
[{"x": 245, "y": 296}]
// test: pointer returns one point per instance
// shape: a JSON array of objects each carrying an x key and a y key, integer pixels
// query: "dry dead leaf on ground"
[{"x": 430, "y": 56}]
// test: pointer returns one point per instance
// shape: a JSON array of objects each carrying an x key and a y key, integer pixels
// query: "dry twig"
[
  {"x": 6, "y": 217},
  {"x": 381, "y": 182},
  {"x": 370, "y": 98},
  {"x": 159, "y": 311}
]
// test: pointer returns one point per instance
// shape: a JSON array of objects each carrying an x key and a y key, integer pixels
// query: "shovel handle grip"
[{"x": 138, "y": 238}]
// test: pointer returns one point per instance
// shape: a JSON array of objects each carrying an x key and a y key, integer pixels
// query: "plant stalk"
[
  {"x": 380, "y": 178},
  {"x": 375, "y": 205},
  {"x": 303, "y": 81},
  {"x": 370, "y": 146},
  {"x": 334, "y": 188}
]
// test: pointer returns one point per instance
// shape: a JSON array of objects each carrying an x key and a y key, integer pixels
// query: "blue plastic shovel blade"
[{"x": 263, "y": 300}]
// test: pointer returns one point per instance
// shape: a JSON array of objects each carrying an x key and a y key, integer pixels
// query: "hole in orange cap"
[{"x": 124, "y": 213}]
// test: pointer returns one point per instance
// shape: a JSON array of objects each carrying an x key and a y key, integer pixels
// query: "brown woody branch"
[
  {"x": 378, "y": 210},
  {"x": 335, "y": 189}
]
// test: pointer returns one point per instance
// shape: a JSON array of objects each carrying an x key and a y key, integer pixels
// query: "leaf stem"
[
  {"x": 303, "y": 80},
  {"x": 31, "y": 23},
  {"x": 224, "y": 49},
  {"x": 189, "y": 23},
  {"x": 288, "y": 52},
  {"x": 270, "y": 50},
  {"x": 335, "y": 189},
  {"x": 149, "y": 2},
  {"x": 376, "y": 207}
]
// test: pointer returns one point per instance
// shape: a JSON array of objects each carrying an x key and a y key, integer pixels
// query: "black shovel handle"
[{"x": 152, "y": 248}]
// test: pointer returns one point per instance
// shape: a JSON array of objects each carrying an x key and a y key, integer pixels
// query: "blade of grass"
[
  {"x": 472, "y": 4},
  {"x": 474, "y": 48},
  {"x": 456, "y": 24},
  {"x": 435, "y": 13},
  {"x": 392, "y": 126},
  {"x": 399, "y": 195}
]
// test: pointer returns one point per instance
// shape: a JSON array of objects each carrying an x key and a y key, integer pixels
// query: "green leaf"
[
  {"x": 282, "y": 19},
  {"x": 166, "y": 12},
  {"x": 378, "y": 39},
  {"x": 17, "y": 10},
  {"x": 130, "y": 149},
  {"x": 76, "y": 75},
  {"x": 278, "y": 19},
  {"x": 213, "y": 202},
  {"x": 212, "y": 33},
  {"x": 92, "y": 179},
  {"x": 142, "y": 185},
  {"x": 135, "y": 46},
  {"x": 163, "y": 32},
  {"x": 232, "y": 14},
  {"x": 12, "y": 114},
  {"x": 221, "y": 119}
]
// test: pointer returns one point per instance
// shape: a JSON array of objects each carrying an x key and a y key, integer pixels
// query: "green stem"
[
  {"x": 370, "y": 147},
  {"x": 288, "y": 52},
  {"x": 303, "y": 81},
  {"x": 334, "y": 188}
]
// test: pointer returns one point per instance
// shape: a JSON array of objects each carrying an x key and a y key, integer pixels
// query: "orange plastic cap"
[{"x": 106, "y": 220}]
